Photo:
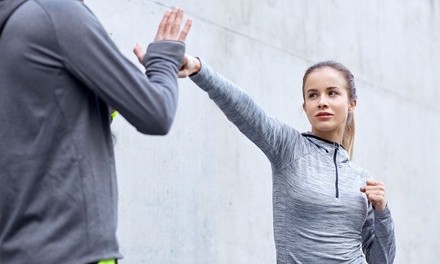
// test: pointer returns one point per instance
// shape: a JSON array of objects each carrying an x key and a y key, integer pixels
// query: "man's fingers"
[
  {"x": 161, "y": 29},
  {"x": 175, "y": 27},
  {"x": 185, "y": 30},
  {"x": 169, "y": 24},
  {"x": 139, "y": 52},
  {"x": 169, "y": 27}
]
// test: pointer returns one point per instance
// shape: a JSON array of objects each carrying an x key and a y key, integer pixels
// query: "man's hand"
[{"x": 169, "y": 29}]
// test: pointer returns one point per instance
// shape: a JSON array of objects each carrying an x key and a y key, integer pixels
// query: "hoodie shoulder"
[{"x": 7, "y": 8}]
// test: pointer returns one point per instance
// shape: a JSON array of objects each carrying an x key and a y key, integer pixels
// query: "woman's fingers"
[
  {"x": 190, "y": 65},
  {"x": 370, "y": 182},
  {"x": 375, "y": 192}
]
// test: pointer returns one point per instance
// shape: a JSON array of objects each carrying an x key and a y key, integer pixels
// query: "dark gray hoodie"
[{"x": 59, "y": 74}]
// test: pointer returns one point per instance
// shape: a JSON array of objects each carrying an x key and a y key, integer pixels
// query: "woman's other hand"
[{"x": 375, "y": 192}]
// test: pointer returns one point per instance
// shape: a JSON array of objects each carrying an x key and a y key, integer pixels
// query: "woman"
[{"x": 326, "y": 208}]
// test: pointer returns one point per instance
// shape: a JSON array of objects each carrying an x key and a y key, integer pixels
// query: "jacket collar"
[{"x": 328, "y": 146}]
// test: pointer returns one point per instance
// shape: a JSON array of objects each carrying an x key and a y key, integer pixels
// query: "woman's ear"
[
  {"x": 352, "y": 105},
  {"x": 304, "y": 106}
]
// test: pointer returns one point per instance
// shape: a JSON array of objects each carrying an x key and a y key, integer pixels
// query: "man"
[{"x": 59, "y": 76}]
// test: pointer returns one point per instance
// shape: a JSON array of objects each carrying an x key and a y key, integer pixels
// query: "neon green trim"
[
  {"x": 114, "y": 114},
  {"x": 108, "y": 261}
]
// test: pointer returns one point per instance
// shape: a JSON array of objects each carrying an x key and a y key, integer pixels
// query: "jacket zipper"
[
  {"x": 335, "y": 155},
  {"x": 336, "y": 168}
]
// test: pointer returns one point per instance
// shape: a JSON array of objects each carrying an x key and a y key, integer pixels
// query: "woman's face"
[{"x": 326, "y": 103}]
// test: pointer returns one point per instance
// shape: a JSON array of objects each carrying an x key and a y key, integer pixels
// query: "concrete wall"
[{"x": 202, "y": 194}]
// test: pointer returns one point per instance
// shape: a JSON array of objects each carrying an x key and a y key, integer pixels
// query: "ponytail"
[{"x": 348, "y": 139}]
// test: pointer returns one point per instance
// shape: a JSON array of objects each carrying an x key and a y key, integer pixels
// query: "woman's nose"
[{"x": 322, "y": 102}]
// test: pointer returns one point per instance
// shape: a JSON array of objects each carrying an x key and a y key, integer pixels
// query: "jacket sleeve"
[
  {"x": 273, "y": 137},
  {"x": 148, "y": 101},
  {"x": 378, "y": 241}
]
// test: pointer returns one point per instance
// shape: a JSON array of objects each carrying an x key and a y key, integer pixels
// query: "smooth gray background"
[{"x": 202, "y": 194}]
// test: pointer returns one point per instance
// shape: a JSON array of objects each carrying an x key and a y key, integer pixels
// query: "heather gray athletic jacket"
[
  {"x": 320, "y": 215},
  {"x": 59, "y": 73}
]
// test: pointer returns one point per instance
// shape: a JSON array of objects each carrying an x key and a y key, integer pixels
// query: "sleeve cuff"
[
  {"x": 202, "y": 77},
  {"x": 386, "y": 213},
  {"x": 166, "y": 49}
]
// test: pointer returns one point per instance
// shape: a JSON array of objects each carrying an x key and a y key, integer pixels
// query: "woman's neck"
[{"x": 333, "y": 136}]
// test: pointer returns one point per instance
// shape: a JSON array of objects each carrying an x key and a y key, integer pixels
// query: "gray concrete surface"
[{"x": 202, "y": 194}]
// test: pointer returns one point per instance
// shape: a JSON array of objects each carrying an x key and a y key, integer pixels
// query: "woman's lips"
[{"x": 323, "y": 116}]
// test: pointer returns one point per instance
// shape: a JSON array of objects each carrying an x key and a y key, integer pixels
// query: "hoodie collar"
[
  {"x": 7, "y": 7},
  {"x": 327, "y": 145}
]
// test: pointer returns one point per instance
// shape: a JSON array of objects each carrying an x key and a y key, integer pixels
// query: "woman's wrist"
[{"x": 197, "y": 66}]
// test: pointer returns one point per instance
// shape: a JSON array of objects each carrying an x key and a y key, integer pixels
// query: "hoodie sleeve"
[
  {"x": 148, "y": 101},
  {"x": 273, "y": 137},
  {"x": 378, "y": 241}
]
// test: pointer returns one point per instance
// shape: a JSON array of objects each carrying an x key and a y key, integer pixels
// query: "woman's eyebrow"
[
  {"x": 332, "y": 87},
  {"x": 311, "y": 90}
]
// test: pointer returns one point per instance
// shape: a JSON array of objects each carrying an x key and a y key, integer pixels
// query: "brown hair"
[{"x": 348, "y": 139}]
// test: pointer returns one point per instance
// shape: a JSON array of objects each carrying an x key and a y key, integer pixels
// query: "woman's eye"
[
  {"x": 312, "y": 95},
  {"x": 332, "y": 93}
]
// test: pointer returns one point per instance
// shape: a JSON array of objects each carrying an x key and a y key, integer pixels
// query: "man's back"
[{"x": 58, "y": 194}]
